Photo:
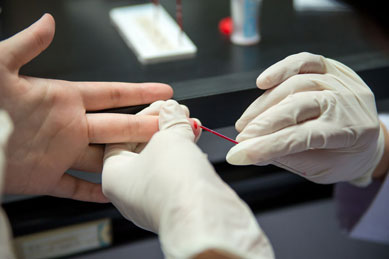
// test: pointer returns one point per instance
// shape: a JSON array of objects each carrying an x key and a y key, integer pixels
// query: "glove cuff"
[{"x": 220, "y": 221}]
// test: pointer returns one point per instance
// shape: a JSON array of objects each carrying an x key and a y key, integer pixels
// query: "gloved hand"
[
  {"x": 170, "y": 188},
  {"x": 5, "y": 237},
  {"x": 317, "y": 119},
  {"x": 5, "y": 130}
]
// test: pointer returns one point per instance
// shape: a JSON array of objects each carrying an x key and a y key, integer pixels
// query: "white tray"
[{"x": 152, "y": 33}]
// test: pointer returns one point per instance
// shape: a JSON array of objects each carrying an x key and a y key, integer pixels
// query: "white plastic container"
[
  {"x": 245, "y": 19},
  {"x": 152, "y": 41}
]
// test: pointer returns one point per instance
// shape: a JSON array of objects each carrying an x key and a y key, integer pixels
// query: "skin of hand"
[
  {"x": 52, "y": 129},
  {"x": 215, "y": 254},
  {"x": 317, "y": 119}
]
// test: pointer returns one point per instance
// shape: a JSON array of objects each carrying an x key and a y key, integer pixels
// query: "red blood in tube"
[
  {"x": 179, "y": 14},
  {"x": 218, "y": 134}
]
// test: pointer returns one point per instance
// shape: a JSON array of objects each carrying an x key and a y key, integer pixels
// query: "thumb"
[
  {"x": 173, "y": 117},
  {"x": 29, "y": 43}
]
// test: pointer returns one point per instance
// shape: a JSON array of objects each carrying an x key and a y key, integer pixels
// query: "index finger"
[
  {"x": 117, "y": 128},
  {"x": 292, "y": 65},
  {"x": 105, "y": 95},
  {"x": 295, "y": 84}
]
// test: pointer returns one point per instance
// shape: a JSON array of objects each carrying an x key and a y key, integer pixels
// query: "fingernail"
[{"x": 239, "y": 125}]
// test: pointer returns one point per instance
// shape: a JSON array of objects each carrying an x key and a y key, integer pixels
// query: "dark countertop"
[{"x": 87, "y": 47}]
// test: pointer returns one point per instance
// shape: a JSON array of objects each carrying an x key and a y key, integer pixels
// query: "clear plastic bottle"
[{"x": 245, "y": 21}]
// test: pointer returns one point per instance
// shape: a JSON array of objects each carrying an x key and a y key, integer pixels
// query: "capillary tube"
[{"x": 218, "y": 134}]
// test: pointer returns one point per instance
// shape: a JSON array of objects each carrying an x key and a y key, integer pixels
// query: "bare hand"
[{"x": 53, "y": 132}]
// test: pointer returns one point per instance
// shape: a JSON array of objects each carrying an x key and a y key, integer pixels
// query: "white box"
[{"x": 151, "y": 33}]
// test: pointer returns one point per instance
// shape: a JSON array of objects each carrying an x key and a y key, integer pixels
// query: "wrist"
[
  {"x": 213, "y": 224},
  {"x": 215, "y": 254}
]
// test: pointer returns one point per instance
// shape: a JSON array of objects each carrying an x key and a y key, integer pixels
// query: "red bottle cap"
[{"x": 226, "y": 26}]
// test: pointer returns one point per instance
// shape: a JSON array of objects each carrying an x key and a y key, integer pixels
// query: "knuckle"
[
  {"x": 39, "y": 40},
  {"x": 115, "y": 96},
  {"x": 305, "y": 54},
  {"x": 299, "y": 56},
  {"x": 300, "y": 79},
  {"x": 73, "y": 193},
  {"x": 306, "y": 60},
  {"x": 185, "y": 109},
  {"x": 145, "y": 93},
  {"x": 133, "y": 126},
  {"x": 91, "y": 132}
]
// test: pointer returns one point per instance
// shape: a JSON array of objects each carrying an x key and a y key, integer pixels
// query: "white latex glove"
[
  {"x": 318, "y": 119},
  {"x": 170, "y": 188},
  {"x": 6, "y": 127}
]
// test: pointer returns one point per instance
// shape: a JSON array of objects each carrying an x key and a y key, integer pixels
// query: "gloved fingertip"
[
  {"x": 263, "y": 82},
  {"x": 258, "y": 81},
  {"x": 240, "y": 138},
  {"x": 195, "y": 124},
  {"x": 185, "y": 109},
  {"x": 238, "y": 157},
  {"x": 250, "y": 131},
  {"x": 239, "y": 125}
]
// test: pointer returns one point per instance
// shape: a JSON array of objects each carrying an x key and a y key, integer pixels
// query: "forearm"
[{"x": 383, "y": 167}]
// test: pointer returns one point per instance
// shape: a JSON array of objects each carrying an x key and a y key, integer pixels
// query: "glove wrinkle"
[
  {"x": 318, "y": 115},
  {"x": 170, "y": 188}
]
